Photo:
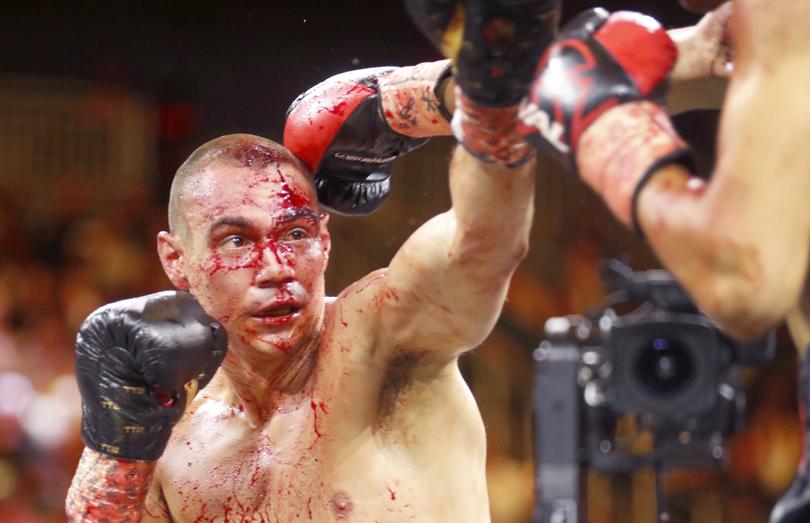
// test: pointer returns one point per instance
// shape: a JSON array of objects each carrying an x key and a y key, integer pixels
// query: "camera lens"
[{"x": 663, "y": 365}]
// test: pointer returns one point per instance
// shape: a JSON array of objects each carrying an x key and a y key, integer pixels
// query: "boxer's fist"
[
  {"x": 596, "y": 103},
  {"x": 137, "y": 362},
  {"x": 344, "y": 135}
]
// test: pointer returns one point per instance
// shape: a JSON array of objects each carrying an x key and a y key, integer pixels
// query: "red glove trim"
[
  {"x": 313, "y": 123},
  {"x": 646, "y": 64}
]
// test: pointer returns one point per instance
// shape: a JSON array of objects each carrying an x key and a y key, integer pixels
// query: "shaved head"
[{"x": 241, "y": 150}]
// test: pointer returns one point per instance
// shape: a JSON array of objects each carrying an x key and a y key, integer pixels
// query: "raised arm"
[{"x": 449, "y": 280}]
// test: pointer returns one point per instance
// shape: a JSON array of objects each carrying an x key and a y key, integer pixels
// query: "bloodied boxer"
[
  {"x": 350, "y": 408},
  {"x": 738, "y": 243},
  {"x": 321, "y": 409}
]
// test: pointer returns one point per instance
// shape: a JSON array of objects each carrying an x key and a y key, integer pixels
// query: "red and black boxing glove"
[
  {"x": 596, "y": 104},
  {"x": 350, "y": 128}
]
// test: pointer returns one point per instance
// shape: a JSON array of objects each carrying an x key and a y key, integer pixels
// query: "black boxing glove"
[
  {"x": 137, "y": 361},
  {"x": 350, "y": 128},
  {"x": 494, "y": 46},
  {"x": 596, "y": 104}
]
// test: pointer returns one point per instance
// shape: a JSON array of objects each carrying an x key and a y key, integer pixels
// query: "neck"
[{"x": 261, "y": 385}]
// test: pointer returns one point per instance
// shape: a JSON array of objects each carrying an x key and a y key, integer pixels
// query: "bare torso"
[{"x": 371, "y": 439}]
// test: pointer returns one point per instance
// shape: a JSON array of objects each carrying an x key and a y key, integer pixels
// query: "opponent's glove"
[
  {"x": 350, "y": 128},
  {"x": 494, "y": 46},
  {"x": 596, "y": 104},
  {"x": 137, "y": 362}
]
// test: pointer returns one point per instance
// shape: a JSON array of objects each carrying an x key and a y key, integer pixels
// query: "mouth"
[{"x": 277, "y": 314}]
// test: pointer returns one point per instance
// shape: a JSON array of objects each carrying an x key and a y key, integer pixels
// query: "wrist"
[
  {"x": 491, "y": 134},
  {"x": 412, "y": 99},
  {"x": 619, "y": 151},
  {"x": 105, "y": 488}
]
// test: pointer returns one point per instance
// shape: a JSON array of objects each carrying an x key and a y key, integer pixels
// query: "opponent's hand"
[
  {"x": 494, "y": 46},
  {"x": 138, "y": 362},
  {"x": 706, "y": 49},
  {"x": 596, "y": 104},
  {"x": 350, "y": 128}
]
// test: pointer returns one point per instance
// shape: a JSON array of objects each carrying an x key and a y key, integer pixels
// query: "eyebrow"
[
  {"x": 239, "y": 222},
  {"x": 228, "y": 221},
  {"x": 291, "y": 215}
]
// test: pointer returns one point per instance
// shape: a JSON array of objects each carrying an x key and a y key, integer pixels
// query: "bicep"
[{"x": 442, "y": 296}]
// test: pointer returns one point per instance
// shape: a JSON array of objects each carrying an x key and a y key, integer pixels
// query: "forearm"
[
  {"x": 417, "y": 100},
  {"x": 492, "y": 206},
  {"x": 108, "y": 489}
]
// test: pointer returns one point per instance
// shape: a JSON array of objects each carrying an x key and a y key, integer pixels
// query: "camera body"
[{"x": 664, "y": 366}]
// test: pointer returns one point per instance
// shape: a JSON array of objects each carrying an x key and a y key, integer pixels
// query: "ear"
[{"x": 170, "y": 251}]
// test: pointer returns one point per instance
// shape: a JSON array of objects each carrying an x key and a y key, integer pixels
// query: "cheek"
[
  {"x": 221, "y": 291},
  {"x": 310, "y": 262}
]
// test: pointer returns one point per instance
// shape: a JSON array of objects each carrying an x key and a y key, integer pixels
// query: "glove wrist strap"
[
  {"x": 617, "y": 154},
  {"x": 490, "y": 134}
]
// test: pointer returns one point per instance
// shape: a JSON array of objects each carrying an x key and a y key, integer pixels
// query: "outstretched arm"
[{"x": 448, "y": 282}]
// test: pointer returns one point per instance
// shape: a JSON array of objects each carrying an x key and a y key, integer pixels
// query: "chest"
[{"x": 314, "y": 465}]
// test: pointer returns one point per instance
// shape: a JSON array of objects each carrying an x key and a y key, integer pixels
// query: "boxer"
[
  {"x": 739, "y": 242},
  {"x": 322, "y": 409}
]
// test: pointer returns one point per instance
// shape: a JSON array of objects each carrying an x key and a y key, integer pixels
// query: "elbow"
[{"x": 747, "y": 308}]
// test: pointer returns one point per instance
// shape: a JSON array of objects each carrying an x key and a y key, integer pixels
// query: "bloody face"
[
  {"x": 701, "y": 6},
  {"x": 256, "y": 252}
]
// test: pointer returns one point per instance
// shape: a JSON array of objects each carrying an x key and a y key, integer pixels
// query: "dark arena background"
[{"x": 101, "y": 101}]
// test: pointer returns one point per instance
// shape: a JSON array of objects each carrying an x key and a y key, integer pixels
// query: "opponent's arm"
[
  {"x": 740, "y": 244},
  {"x": 138, "y": 362},
  {"x": 722, "y": 240}
]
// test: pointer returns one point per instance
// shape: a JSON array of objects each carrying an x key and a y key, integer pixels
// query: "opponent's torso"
[{"x": 374, "y": 441}]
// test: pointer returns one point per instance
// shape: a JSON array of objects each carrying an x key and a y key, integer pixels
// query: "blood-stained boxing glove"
[
  {"x": 138, "y": 363},
  {"x": 350, "y": 128},
  {"x": 495, "y": 46},
  {"x": 596, "y": 104}
]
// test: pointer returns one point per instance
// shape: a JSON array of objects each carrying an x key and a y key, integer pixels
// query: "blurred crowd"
[{"x": 59, "y": 262}]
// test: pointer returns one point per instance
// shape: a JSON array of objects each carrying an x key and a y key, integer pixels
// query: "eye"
[
  {"x": 234, "y": 241},
  {"x": 298, "y": 233}
]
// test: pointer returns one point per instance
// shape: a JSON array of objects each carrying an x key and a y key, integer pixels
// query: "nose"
[{"x": 274, "y": 266}]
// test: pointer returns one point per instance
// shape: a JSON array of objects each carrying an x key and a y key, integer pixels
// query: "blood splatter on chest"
[{"x": 250, "y": 476}]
